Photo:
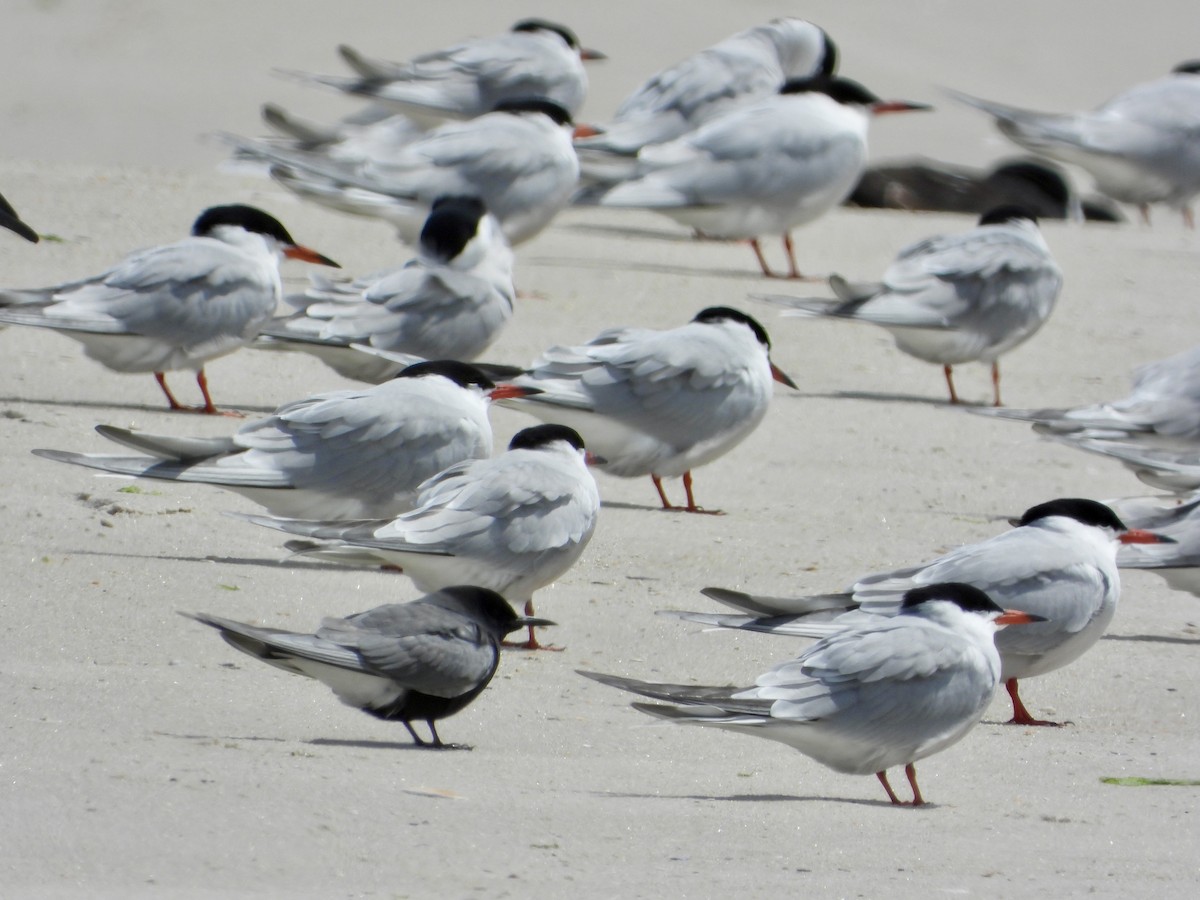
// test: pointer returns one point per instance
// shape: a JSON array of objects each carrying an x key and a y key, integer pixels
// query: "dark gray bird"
[
  {"x": 405, "y": 662},
  {"x": 927, "y": 184}
]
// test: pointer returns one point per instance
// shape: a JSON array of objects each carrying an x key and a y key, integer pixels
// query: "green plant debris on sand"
[{"x": 1135, "y": 781}]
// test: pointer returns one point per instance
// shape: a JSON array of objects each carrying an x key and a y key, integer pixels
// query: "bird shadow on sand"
[
  {"x": 1153, "y": 639},
  {"x": 749, "y": 798},
  {"x": 619, "y": 504},
  {"x": 648, "y": 234},
  {"x": 384, "y": 745},
  {"x": 879, "y": 397},
  {"x": 285, "y": 562},
  {"x": 657, "y": 268},
  {"x": 136, "y": 407},
  {"x": 315, "y": 742}
]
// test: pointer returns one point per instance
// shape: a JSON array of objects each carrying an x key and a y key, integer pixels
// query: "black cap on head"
[
  {"x": 1087, "y": 512},
  {"x": 1009, "y": 213},
  {"x": 829, "y": 60},
  {"x": 534, "y": 104},
  {"x": 728, "y": 314},
  {"x": 451, "y": 224},
  {"x": 843, "y": 90},
  {"x": 461, "y": 373},
  {"x": 964, "y": 596},
  {"x": 247, "y": 217},
  {"x": 483, "y": 605},
  {"x": 1190, "y": 67},
  {"x": 540, "y": 435},
  {"x": 535, "y": 24},
  {"x": 1038, "y": 175}
]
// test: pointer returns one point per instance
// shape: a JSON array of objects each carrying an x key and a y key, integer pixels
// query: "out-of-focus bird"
[
  {"x": 342, "y": 455},
  {"x": 450, "y": 302},
  {"x": 1059, "y": 563},
  {"x": 1178, "y": 518},
  {"x": 517, "y": 159},
  {"x": 408, "y": 662},
  {"x": 1154, "y": 431},
  {"x": 762, "y": 168},
  {"x": 925, "y": 184},
  {"x": 535, "y": 57},
  {"x": 10, "y": 220},
  {"x": 513, "y": 523},
  {"x": 1174, "y": 469},
  {"x": 1163, "y": 404},
  {"x": 1141, "y": 147},
  {"x": 659, "y": 403},
  {"x": 176, "y": 306},
  {"x": 955, "y": 298},
  {"x": 747, "y": 66},
  {"x": 881, "y": 692}
]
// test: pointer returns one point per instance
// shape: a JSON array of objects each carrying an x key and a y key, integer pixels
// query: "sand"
[{"x": 143, "y": 757}]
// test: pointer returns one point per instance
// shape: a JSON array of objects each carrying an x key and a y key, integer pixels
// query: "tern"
[
  {"x": 513, "y": 523},
  {"x": 354, "y": 454},
  {"x": 763, "y": 168},
  {"x": 535, "y": 57},
  {"x": 450, "y": 302},
  {"x": 176, "y": 306},
  {"x": 518, "y": 160},
  {"x": 955, "y": 298},
  {"x": 1059, "y": 563},
  {"x": 659, "y": 403},
  {"x": 747, "y": 66},
  {"x": 879, "y": 693},
  {"x": 407, "y": 662},
  {"x": 1141, "y": 147}
]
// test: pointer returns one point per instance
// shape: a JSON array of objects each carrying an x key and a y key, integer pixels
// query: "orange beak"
[
  {"x": 782, "y": 377},
  {"x": 591, "y": 55},
  {"x": 583, "y": 130},
  {"x": 1017, "y": 617},
  {"x": 512, "y": 392},
  {"x": 592, "y": 459},
  {"x": 895, "y": 106},
  {"x": 1141, "y": 536},
  {"x": 304, "y": 254}
]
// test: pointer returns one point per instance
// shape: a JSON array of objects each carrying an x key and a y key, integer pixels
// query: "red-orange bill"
[
  {"x": 1141, "y": 536},
  {"x": 304, "y": 254},
  {"x": 1017, "y": 617},
  {"x": 512, "y": 392},
  {"x": 895, "y": 106},
  {"x": 782, "y": 377}
]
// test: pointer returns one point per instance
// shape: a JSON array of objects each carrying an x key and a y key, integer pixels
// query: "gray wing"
[
  {"x": 659, "y": 382},
  {"x": 852, "y": 667},
  {"x": 385, "y": 438},
  {"x": 420, "y": 646},
  {"x": 199, "y": 294}
]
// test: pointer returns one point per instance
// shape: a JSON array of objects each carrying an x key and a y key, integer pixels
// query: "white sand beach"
[{"x": 145, "y": 758}]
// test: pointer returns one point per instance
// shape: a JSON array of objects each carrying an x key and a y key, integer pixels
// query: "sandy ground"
[{"x": 143, "y": 757}]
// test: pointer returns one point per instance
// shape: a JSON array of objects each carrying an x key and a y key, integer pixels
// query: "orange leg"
[
  {"x": 532, "y": 643},
  {"x": 1021, "y": 715},
  {"x": 691, "y": 500},
  {"x": 882, "y": 776},
  {"x": 762, "y": 260},
  {"x": 161, "y": 378},
  {"x": 662, "y": 494},
  {"x": 949, "y": 372},
  {"x": 996, "y": 384},
  {"x": 793, "y": 269},
  {"x": 911, "y": 771}
]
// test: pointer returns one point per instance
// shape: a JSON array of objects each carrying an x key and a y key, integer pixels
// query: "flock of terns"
[{"x": 472, "y": 150}]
